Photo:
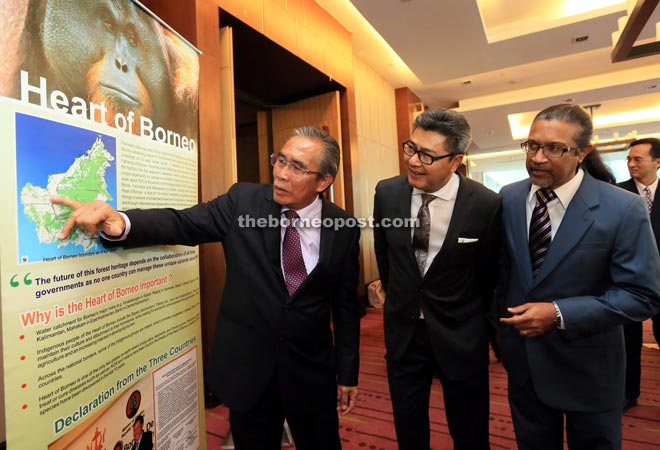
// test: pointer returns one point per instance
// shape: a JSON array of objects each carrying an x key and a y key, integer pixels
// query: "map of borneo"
[{"x": 84, "y": 181}]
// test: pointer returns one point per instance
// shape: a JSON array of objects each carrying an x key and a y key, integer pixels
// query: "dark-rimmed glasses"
[
  {"x": 296, "y": 169},
  {"x": 409, "y": 148},
  {"x": 551, "y": 150}
]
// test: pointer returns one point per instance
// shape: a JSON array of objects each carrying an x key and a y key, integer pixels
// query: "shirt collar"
[
  {"x": 310, "y": 211},
  {"x": 564, "y": 193},
  {"x": 446, "y": 192},
  {"x": 640, "y": 187}
]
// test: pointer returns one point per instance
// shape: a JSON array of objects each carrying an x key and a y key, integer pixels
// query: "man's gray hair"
[{"x": 329, "y": 164}]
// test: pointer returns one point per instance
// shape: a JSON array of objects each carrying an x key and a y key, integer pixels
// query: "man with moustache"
[
  {"x": 439, "y": 278},
  {"x": 643, "y": 163},
  {"x": 275, "y": 354},
  {"x": 579, "y": 262}
]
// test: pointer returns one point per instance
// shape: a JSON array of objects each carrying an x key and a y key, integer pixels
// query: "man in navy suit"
[
  {"x": 643, "y": 163},
  {"x": 275, "y": 354},
  {"x": 589, "y": 266},
  {"x": 438, "y": 294}
]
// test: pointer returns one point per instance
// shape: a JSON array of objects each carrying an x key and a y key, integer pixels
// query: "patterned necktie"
[
  {"x": 647, "y": 197},
  {"x": 422, "y": 232},
  {"x": 540, "y": 230},
  {"x": 292, "y": 258}
]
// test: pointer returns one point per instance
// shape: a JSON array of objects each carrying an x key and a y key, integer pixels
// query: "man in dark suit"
[
  {"x": 275, "y": 355},
  {"x": 142, "y": 440},
  {"x": 643, "y": 163},
  {"x": 588, "y": 266},
  {"x": 439, "y": 278}
]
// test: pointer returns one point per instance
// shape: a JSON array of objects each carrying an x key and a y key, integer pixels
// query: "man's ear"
[
  {"x": 585, "y": 151},
  {"x": 456, "y": 162},
  {"x": 324, "y": 183}
]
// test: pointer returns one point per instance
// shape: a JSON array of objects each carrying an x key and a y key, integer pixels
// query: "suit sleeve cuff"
[{"x": 127, "y": 230}]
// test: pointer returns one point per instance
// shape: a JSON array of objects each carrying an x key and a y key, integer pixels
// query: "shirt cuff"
[
  {"x": 127, "y": 230},
  {"x": 559, "y": 319}
]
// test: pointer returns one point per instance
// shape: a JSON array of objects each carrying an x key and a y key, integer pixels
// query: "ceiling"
[{"x": 499, "y": 62}]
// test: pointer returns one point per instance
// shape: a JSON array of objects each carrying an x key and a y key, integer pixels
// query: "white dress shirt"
[{"x": 441, "y": 210}]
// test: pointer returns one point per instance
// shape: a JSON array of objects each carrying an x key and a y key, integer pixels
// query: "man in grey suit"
[
  {"x": 579, "y": 262},
  {"x": 275, "y": 354},
  {"x": 439, "y": 278},
  {"x": 643, "y": 163}
]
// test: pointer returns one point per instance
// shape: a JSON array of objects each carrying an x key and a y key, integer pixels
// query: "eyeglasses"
[
  {"x": 552, "y": 150},
  {"x": 280, "y": 161},
  {"x": 409, "y": 148}
]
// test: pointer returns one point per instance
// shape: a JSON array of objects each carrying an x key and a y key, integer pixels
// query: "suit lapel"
[
  {"x": 456, "y": 223},
  {"x": 577, "y": 220},
  {"x": 272, "y": 235},
  {"x": 405, "y": 233},
  {"x": 518, "y": 233}
]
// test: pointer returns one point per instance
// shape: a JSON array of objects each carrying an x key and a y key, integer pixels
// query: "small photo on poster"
[{"x": 55, "y": 159}]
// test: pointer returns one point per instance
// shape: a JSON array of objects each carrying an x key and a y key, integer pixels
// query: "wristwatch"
[{"x": 559, "y": 321}]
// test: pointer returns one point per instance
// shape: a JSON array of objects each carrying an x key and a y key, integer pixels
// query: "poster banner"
[{"x": 101, "y": 347}]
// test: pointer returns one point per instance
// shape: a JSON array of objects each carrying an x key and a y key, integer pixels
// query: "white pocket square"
[{"x": 462, "y": 240}]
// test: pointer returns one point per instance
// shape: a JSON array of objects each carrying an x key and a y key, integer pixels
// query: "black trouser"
[
  {"x": 466, "y": 401},
  {"x": 632, "y": 333},
  {"x": 261, "y": 427}
]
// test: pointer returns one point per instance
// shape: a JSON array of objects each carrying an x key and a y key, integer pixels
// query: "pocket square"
[{"x": 462, "y": 240}]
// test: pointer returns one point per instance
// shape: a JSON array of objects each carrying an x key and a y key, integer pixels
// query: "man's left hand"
[
  {"x": 531, "y": 319},
  {"x": 346, "y": 399}
]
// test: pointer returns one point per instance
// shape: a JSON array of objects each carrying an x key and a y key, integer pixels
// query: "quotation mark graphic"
[{"x": 26, "y": 281}]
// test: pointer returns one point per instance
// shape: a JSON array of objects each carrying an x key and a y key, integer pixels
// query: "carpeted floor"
[{"x": 370, "y": 426}]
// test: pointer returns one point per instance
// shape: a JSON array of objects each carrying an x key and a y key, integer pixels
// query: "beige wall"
[{"x": 378, "y": 157}]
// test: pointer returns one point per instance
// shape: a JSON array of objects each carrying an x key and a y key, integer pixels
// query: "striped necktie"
[{"x": 540, "y": 229}]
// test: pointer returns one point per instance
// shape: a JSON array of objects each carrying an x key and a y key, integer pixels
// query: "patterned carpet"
[{"x": 370, "y": 426}]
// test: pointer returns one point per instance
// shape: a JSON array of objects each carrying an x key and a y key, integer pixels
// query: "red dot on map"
[
  {"x": 22, "y": 336},
  {"x": 23, "y": 385},
  {"x": 23, "y": 358},
  {"x": 24, "y": 406}
]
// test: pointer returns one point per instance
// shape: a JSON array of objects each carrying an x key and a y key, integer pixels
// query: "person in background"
[
  {"x": 142, "y": 440},
  {"x": 275, "y": 355},
  {"x": 579, "y": 261},
  {"x": 643, "y": 163},
  {"x": 438, "y": 277}
]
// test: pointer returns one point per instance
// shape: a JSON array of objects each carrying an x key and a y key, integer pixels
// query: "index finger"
[
  {"x": 71, "y": 220},
  {"x": 66, "y": 202}
]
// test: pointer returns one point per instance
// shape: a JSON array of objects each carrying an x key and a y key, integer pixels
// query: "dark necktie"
[
  {"x": 422, "y": 232},
  {"x": 647, "y": 197},
  {"x": 292, "y": 258},
  {"x": 540, "y": 230}
]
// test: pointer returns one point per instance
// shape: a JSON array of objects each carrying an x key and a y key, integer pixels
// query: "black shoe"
[{"x": 629, "y": 403}]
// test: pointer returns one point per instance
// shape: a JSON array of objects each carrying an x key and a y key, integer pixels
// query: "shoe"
[{"x": 629, "y": 403}]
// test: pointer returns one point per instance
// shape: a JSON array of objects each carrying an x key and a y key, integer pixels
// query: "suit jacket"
[
  {"x": 146, "y": 443},
  {"x": 630, "y": 185},
  {"x": 260, "y": 328},
  {"x": 602, "y": 270},
  {"x": 456, "y": 291}
]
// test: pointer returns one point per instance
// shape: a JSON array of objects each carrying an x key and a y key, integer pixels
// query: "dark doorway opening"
[{"x": 266, "y": 76}]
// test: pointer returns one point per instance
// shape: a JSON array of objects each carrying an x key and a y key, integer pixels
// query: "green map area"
[{"x": 84, "y": 181}]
